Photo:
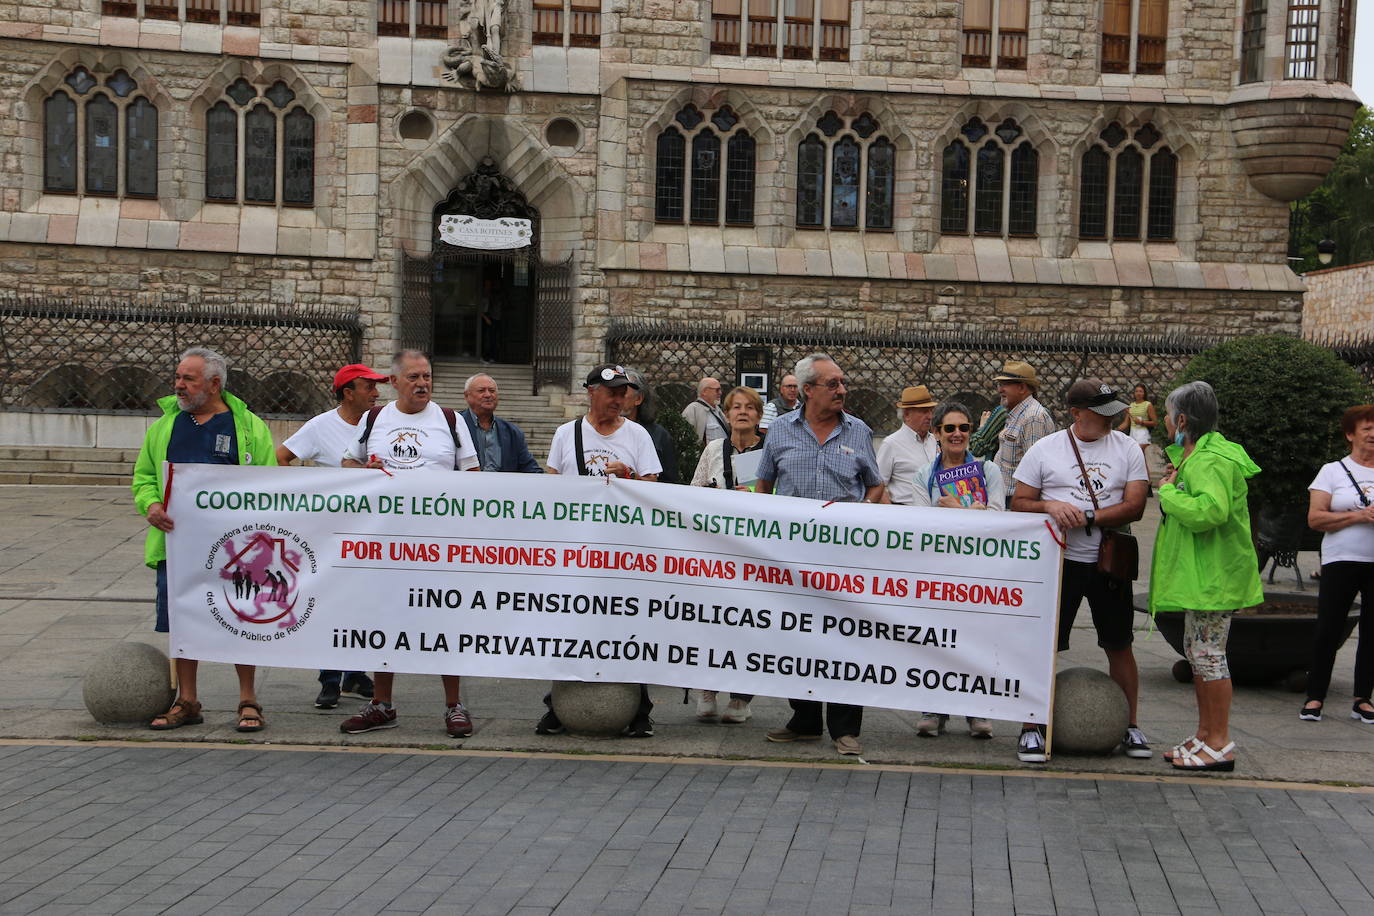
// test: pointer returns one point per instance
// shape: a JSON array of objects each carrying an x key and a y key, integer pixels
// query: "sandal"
[
  {"x": 183, "y": 712},
  {"x": 1186, "y": 746},
  {"x": 252, "y": 720},
  {"x": 1192, "y": 760}
]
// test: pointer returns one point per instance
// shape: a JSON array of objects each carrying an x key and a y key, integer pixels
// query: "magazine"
[{"x": 965, "y": 481}]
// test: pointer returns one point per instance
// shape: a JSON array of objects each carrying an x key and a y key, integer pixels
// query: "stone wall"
[{"x": 1339, "y": 301}]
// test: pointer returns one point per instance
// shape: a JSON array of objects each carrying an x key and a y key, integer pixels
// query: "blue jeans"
[{"x": 336, "y": 677}]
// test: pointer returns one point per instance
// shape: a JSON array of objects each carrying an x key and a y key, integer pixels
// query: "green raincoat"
[{"x": 1204, "y": 559}]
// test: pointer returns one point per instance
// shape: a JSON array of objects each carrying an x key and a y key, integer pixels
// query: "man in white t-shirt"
[
  {"x": 604, "y": 444},
  {"x": 323, "y": 440},
  {"x": 1049, "y": 479},
  {"x": 910, "y": 448},
  {"x": 411, "y": 433}
]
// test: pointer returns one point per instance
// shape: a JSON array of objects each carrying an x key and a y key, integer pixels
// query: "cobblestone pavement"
[{"x": 97, "y": 829}]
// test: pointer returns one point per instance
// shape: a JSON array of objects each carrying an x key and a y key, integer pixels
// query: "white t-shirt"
[
  {"x": 324, "y": 439},
  {"x": 629, "y": 444},
  {"x": 1112, "y": 461},
  {"x": 1356, "y": 543},
  {"x": 414, "y": 441},
  {"x": 900, "y": 456}
]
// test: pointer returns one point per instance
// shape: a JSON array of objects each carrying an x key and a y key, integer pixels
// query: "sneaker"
[
  {"x": 329, "y": 696},
  {"x": 370, "y": 718},
  {"x": 1135, "y": 745},
  {"x": 1357, "y": 713},
  {"x": 1031, "y": 746},
  {"x": 549, "y": 724},
  {"x": 706, "y": 705},
  {"x": 1310, "y": 713},
  {"x": 736, "y": 712},
  {"x": 849, "y": 745},
  {"x": 931, "y": 724},
  {"x": 641, "y": 727},
  {"x": 457, "y": 722},
  {"x": 978, "y": 728},
  {"x": 358, "y": 685},
  {"x": 784, "y": 735}
]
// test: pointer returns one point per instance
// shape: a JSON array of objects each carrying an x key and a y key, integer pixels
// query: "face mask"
[{"x": 1178, "y": 438}]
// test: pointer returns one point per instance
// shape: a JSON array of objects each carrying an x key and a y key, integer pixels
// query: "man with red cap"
[{"x": 323, "y": 440}]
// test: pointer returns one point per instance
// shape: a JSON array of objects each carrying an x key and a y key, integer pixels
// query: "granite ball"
[
  {"x": 596, "y": 709},
  {"x": 1090, "y": 712},
  {"x": 128, "y": 684}
]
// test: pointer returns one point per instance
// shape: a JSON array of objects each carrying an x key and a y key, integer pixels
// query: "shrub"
[
  {"x": 1282, "y": 399},
  {"x": 685, "y": 438}
]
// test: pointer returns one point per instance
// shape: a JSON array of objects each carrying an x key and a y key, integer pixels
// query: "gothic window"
[
  {"x": 1134, "y": 35},
  {"x": 846, "y": 175},
  {"x": 1252, "y": 40},
  {"x": 1344, "y": 35},
  {"x": 1000, "y": 24},
  {"x": 215, "y": 12},
  {"x": 702, "y": 188},
  {"x": 792, "y": 29},
  {"x": 266, "y": 137},
  {"x": 1128, "y": 183},
  {"x": 430, "y": 18},
  {"x": 86, "y": 122},
  {"x": 567, "y": 23},
  {"x": 1300, "y": 40},
  {"x": 993, "y": 173}
]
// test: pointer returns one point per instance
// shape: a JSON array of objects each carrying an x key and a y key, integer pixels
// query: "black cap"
[
  {"x": 1096, "y": 395},
  {"x": 610, "y": 375}
]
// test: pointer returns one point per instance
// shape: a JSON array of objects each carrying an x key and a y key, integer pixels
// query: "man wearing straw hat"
[
  {"x": 911, "y": 447},
  {"x": 1027, "y": 419}
]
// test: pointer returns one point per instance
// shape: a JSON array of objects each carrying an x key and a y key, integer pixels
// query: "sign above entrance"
[{"x": 490, "y": 234}]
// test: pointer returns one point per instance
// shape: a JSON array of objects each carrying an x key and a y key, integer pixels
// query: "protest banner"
[{"x": 572, "y": 578}]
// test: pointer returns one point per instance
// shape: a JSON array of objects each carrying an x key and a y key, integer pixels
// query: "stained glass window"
[
  {"x": 739, "y": 179},
  {"x": 102, "y": 146},
  {"x": 59, "y": 143},
  {"x": 1129, "y": 181},
  {"x": 1003, "y": 199},
  {"x": 811, "y": 182},
  {"x": 140, "y": 149},
  {"x": 1025, "y": 176},
  {"x": 987, "y": 208},
  {"x": 260, "y": 155},
  {"x": 881, "y": 180},
  {"x": 706, "y": 178},
  {"x": 1092, "y": 195},
  {"x": 844, "y": 179},
  {"x": 1163, "y": 183},
  {"x": 221, "y": 152},
  {"x": 954, "y": 181},
  {"x": 121, "y": 84},
  {"x": 280, "y": 94},
  {"x": 298, "y": 153},
  {"x": 671, "y": 171}
]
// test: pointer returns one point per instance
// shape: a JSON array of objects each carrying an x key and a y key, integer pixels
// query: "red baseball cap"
[{"x": 355, "y": 371}]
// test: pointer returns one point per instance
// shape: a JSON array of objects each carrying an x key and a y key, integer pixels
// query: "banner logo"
[{"x": 261, "y": 577}]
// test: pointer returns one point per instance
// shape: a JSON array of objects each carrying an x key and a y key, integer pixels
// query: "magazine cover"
[{"x": 965, "y": 481}]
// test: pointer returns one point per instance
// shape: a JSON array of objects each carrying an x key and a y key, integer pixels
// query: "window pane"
[
  {"x": 834, "y": 29},
  {"x": 706, "y": 178},
  {"x": 584, "y": 24},
  {"x": 798, "y": 22},
  {"x": 59, "y": 143},
  {"x": 1129, "y": 176},
  {"x": 1092, "y": 195},
  {"x": 102, "y": 146},
  {"x": 243, "y": 12},
  {"x": 1116, "y": 36},
  {"x": 260, "y": 155},
  {"x": 954, "y": 175},
  {"x": 140, "y": 149},
  {"x": 669, "y": 175},
  {"x": 1344, "y": 35},
  {"x": 431, "y": 18},
  {"x": 1300, "y": 46},
  {"x": 548, "y": 23},
  {"x": 987, "y": 211},
  {"x": 393, "y": 18},
  {"x": 221, "y": 153},
  {"x": 844, "y": 193},
  {"x": 1154, "y": 32},
  {"x": 881, "y": 173},
  {"x": 298, "y": 151},
  {"x": 1013, "y": 23},
  {"x": 739, "y": 179},
  {"x": 811, "y": 182},
  {"x": 726, "y": 16},
  {"x": 1025, "y": 178},
  {"x": 1252, "y": 40},
  {"x": 202, "y": 11},
  {"x": 763, "y": 28},
  {"x": 1163, "y": 182}
]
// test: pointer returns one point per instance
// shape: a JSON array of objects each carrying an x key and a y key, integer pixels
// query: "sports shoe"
[
  {"x": 736, "y": 712},
  {"x": 1030, "y": 748},
  {"x": 457, "y": 722},
  {"x": 370, "y": 718},
  {"x": 784, "y": 735},
  {"x": 357, "y": 685},
  {"x": 1310, "y": 714},
  {"x": 549, "y": 724},
  {"x": 978, "y": 728},
  {"x": 1135, "y": 745},
  {"x": 1357, "y": 713},
  {"x": 641, "y": 727},
  {"x": 329, "y": 696},
  {"x": 931, "y": 724},
  {"x": 849, "y": 745},
  {"x": 706, "y": 705}
]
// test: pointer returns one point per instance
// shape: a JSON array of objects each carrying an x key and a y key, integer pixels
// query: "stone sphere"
[
  {"x": 128, "y": 684},
  {"x": 594, "y": 708},
  {"x": 1090, "y": 712}
]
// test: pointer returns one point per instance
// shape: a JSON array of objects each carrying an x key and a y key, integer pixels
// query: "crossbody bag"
[{"x": 1118, "y": 554}]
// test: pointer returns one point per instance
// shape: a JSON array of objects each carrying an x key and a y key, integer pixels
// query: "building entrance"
[{"x": 484, "y": 306}]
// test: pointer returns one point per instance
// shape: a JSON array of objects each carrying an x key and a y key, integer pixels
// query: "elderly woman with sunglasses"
[{"x": 981, "y": 487}]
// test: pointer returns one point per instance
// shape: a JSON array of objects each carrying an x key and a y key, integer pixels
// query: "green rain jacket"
[
  {"x": 255, "y": 447},
  {"x": 1204, "y": 559}
]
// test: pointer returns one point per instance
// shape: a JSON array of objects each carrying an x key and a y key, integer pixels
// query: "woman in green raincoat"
[{"x": 1204, "y": 562}]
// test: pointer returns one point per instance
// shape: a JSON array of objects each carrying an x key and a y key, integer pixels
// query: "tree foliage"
[
  {"x": 1282, "y": 399},
  {"x": 687, "y": 441},
  {"x": 1341, "y": 208}
]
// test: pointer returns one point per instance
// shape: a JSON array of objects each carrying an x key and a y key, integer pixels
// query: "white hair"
[
  {"x": 402, "y": 355},
  {"x": 467, "y": 386},
  {"x": 805, "y": 370},
  {"x": 216, "y": 366},
  {"x": 701, "y": 385}
]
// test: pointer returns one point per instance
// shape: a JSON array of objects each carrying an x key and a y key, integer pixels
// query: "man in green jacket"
[{"x": 200, "y": 424}]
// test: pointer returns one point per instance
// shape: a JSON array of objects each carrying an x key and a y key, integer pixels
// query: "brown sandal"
[
  {"x": 253, "y": 717},
  {"x": 181, "y": 713}
]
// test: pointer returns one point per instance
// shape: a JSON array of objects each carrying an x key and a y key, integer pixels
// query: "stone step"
[{"x": 9, "y": 453}]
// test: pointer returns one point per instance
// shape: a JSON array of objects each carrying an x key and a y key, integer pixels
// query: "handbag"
[{"x": 1118, "y": 553}]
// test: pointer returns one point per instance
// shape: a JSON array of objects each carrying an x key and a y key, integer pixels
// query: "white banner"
[
  {"x": 489, "y": 234},
  {"x": 571, "y": 578}
]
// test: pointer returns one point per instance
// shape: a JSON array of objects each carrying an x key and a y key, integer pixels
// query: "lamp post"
[{"x": 1326, "y": 250}]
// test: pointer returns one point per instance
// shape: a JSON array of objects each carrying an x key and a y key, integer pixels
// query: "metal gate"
[
  {"x": 553, "y": 326},
  {"x": 417, "y": 305}
]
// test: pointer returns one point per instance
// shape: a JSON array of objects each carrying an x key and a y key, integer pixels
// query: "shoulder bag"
[{"x": 1118, "y": 554}]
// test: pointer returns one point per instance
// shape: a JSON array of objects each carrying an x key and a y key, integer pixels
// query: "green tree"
[{"x": 1341, "y": 208}]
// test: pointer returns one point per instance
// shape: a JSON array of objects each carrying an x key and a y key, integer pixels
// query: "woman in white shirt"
[
  {"x": 1340, "y": 507},
  {"x": 717, "y": 468}
]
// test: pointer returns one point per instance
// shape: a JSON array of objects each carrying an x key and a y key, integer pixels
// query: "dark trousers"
[
  {"x": 335, "y": 677},
  {"x": 1340, "y": 583},
  {"x": 841, "y": 718}
]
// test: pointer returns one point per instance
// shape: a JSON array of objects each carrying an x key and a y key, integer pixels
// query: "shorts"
[
  {"x": 1204, "y": 643},
  {"x": 1109, "y": 599},
  {"x": 1141, "y": 434},
  {"x": 162, "y": 625}
]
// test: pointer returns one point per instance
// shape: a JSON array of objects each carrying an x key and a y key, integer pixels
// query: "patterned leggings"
[{"x": 1204, "y": 643}]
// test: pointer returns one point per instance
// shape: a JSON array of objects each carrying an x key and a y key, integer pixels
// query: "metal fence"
[
  {"x": 118, "y": 357},
  {"x": 1355, "y": 349}
]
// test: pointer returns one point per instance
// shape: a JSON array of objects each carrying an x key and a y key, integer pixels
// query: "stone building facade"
[
  {"x": 304, "y": 149},
  {"x": 1339, "y": 302}
]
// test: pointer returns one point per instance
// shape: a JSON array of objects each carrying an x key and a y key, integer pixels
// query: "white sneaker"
[
  {"x": 706, "y": 705},
  {"x": 1030, "y": 748},
  {"x": 736, "y": 712},
  {"x": 978, "y": 728},
  {"x": 931, "y": 724}
]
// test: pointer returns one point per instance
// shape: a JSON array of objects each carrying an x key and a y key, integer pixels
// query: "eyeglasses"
[
  {"x": 833, "y": 383},
  {"x": 952, "y": 427}
]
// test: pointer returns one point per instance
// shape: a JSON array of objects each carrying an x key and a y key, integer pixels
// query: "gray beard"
[{"x": 192, "y": 404}]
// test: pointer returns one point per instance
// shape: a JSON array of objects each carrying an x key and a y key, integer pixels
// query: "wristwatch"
[{"x": 1091, "y": 516}]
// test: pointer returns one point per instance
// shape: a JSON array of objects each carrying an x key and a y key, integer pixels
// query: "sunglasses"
[{"x": 952, "y": 427}]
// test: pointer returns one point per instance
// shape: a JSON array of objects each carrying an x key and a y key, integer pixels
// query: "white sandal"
[
  {"x": 1186, "y": 746},
  {"x": 1192, "y": 760}
]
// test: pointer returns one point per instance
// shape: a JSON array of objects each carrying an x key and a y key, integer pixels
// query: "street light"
[{"x": 1326, "y": 250}]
